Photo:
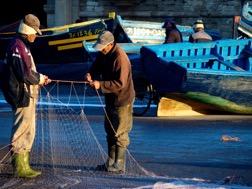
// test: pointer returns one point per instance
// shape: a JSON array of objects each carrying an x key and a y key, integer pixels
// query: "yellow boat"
[{"x": 62, "y": 44}]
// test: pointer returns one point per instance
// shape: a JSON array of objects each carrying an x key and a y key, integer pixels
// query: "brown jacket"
[
  {"x": 115, "y": 75},
  {"x": 173, "y": 36}
]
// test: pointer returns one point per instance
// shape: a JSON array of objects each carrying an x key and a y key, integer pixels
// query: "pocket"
[
  {"x": 10, "y": 91},
  {"x": 23, "y": 97}
]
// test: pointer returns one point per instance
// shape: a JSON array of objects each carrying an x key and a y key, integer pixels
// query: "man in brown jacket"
[
  {"x": 111, "y": 72},
  {"x": 173, "y": 35}
]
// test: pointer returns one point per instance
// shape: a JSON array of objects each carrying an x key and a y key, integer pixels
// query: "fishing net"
[{"x": 67, "y": 149}]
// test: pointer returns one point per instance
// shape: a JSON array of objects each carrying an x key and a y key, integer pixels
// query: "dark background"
[{"x": 13, "y": 10}]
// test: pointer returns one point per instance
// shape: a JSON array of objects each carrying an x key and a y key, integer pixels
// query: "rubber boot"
[
  {"x": 119, "y": 165},
  {"x": 28, "y": 167},
  {"x": 110, "y": 161},
  {"x": 111, "y": 156},
  {"x": 22, "y": 168}
]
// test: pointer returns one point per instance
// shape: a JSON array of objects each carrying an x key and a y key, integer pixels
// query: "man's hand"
[
  {"x": 44, "y": 80},
  {"x": 95, "y": 84},
  {"x": 47, "y": 80},
  {"x": 88, "y": 78}
]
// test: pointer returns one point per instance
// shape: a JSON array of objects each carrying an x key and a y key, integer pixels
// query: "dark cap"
[
  {"x": 105, "y": 38},
  {"x": 32, "y": 21},
  {"x": 168, "y": 20}
]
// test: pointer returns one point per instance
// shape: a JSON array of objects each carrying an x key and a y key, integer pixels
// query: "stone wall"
[{"x": 217, "y": 14}]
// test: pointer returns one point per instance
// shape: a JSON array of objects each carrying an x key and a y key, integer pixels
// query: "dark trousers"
[{"x": 119, "y": 125}]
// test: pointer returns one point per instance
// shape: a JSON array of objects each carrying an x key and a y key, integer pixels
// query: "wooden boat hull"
[
  {"x": 235, "y": 86},
  {"x": 62, "y": 44},
  {"x": 224, "y": 82},
  {"x": 147, "y": 32},
  {"x": 209, "y": 93}
]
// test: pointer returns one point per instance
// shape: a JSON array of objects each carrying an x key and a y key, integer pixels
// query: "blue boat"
[
  {"x": 217, "y": 74},
  {"x": 245, "y": 23}
]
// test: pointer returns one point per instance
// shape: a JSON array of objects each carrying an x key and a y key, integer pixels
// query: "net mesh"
[{"x": 67, "y": 149}]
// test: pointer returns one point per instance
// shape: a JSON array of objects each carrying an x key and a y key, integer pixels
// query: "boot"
[
  {"x": 22, "y": 167},
  {"x": 27, "y": 163},
  {"x": 110, "y": 161},
  {"x": 119, "y": 165}
]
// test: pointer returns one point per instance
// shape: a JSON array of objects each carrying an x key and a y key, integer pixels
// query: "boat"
[
  {"x": 199, "y": 78},
  {"x": 245, "y": 22},
  {"x": 133, "y": 34},
  {"x": 59, "y": 51},
  {"x": 150, "y": 32},
  {"x": 62, "y": 44}
]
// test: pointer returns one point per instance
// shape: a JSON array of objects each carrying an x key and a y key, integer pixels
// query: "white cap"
[
  {"x": 198, "y": 24},
  {"x": 29, "y": 25}
]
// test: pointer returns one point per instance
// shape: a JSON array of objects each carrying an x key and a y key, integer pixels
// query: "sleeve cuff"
[{"x": 41, "y": 78}]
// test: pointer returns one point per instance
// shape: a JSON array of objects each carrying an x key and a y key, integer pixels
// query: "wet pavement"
[{"x": 180, "y": 147}]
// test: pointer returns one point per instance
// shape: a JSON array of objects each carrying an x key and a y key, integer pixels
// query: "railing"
[{"x": 229, "y": 54}]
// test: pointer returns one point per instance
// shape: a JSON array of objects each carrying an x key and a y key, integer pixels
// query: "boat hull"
[
  {"x": 218, "y": 74},
  {"x": 236, "y": 87},
  {"x": 245, "y": 23},
  {"x": 62, "y": 45}
]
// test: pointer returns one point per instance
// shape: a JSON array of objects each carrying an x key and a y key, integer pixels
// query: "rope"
[
  {"x": 9, "y": 151},
  {"x": 6, "y": 155},
  {"x": 68, "y": 81},
  {"x": 105, "y": 112}
]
